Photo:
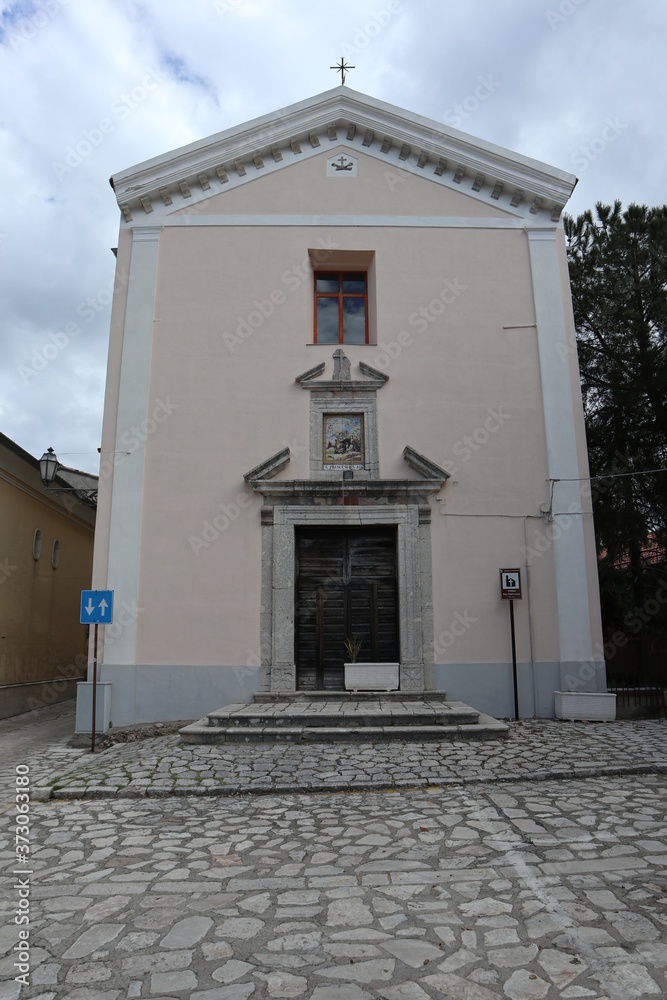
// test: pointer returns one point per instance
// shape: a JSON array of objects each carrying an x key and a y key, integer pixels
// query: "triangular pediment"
[
  {"x": 303, "y": 187},
  {"x": 363, "y": 127}
]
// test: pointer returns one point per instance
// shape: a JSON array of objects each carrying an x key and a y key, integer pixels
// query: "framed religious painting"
[{"x": 343, "y": 441}]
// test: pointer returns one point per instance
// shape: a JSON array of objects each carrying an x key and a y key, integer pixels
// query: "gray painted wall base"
[
  {"x": 488, "y": 687},
  {"x": 149, "y": 692}
]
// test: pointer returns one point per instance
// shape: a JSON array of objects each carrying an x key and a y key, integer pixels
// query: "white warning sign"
[{"x": 510, "y": 584}]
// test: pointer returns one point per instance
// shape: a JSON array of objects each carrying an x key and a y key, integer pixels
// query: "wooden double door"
[{"x": 346, "y": 586}]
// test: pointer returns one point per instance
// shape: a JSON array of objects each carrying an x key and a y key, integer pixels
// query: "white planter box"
[
  {"x": 589, "y": 706},
  {"x": 371, "y": 676}
]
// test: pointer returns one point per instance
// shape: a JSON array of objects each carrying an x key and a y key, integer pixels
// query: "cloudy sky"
[{"x": 576, "y": 83}]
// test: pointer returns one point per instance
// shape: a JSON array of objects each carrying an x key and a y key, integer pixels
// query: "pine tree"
[{"x": 618, "y": 274}]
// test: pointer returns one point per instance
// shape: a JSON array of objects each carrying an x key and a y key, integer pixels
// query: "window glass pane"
[
  {"x": 354, "y": 321},
  {"x": 327, "y": 321},
  {"x": 327, "y": 283},
  {"x": 354, "y": 283}
]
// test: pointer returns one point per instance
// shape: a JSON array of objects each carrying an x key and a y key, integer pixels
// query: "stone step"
[
  {"x": 267, "y": 697},
  {"x": 203, "y": 733},
  {"x": 301, "y": 718},
  {"x": 352, "y": 715}
]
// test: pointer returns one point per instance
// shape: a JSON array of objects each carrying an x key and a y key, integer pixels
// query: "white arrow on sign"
[
  {"x": 90, "y": 607},
  {"x": 103, "y": 605}
]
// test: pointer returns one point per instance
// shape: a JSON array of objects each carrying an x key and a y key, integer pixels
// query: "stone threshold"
[{"x": 264, "y": 697}]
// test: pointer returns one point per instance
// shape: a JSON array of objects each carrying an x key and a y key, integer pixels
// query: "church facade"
[{"x": 342, "y": 395}]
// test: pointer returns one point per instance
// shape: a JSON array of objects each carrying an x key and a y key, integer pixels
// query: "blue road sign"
[{"x": 96, "y": 606}]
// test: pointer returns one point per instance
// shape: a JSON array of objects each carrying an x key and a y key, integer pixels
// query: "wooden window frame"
[{"x": 340, "y": 295}]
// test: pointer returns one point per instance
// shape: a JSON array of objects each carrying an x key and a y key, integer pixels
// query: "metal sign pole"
[
  {"x": 510, "y": 589},
  {"x": 96, "y": 607},
  {"x": 516, "y": 691},
  {"x": 92, "y": 745}
]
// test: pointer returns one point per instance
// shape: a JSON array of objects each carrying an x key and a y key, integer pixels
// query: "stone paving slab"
[
  {"x": 522, "y": 890},
  {"x": 534, "y": 751}
]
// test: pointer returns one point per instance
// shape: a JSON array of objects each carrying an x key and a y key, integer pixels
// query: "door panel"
[{"x": 346, "y": 585}]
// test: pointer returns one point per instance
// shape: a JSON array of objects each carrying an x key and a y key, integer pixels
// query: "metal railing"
[{"x": 637, "y": 674}]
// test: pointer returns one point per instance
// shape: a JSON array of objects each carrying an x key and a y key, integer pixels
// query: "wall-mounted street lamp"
[
  {"x": 48, "y": 470},
  {"x": 48, "y": 467}
]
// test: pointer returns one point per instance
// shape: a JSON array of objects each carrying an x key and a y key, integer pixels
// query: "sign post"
[
  {"x": 510, "y": 590},
  {"x": 96, "y": 608}
]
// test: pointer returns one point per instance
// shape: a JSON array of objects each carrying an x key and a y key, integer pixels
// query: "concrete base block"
[
  {"x": 84, "y": 707},
  {"x": 591, "y": 706}
]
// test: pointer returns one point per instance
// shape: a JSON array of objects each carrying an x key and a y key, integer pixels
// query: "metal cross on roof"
[{"x": 341, "y": 68}]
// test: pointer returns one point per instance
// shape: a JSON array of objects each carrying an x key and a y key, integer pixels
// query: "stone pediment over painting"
[
  {"x": 344, "y": 452},
  {"x": 341, "y": 379},
  {"x": 341, "y": 122}
]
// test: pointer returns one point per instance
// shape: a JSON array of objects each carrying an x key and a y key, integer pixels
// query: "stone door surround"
[{"x": 415, "y": 602}]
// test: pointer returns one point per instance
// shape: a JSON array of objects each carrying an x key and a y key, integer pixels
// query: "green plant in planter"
[{"x": 352, "y": 647}]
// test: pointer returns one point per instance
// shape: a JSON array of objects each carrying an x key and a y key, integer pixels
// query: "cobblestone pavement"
[
  {"x": 38, "y": 738},
  {"x": 534, "y": 750},
  {"x": 485, "y": 879},
  {"x": 526, "y": 891}
]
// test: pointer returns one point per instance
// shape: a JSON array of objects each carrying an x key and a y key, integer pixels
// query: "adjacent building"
[{"x": 46, "y": 557}]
